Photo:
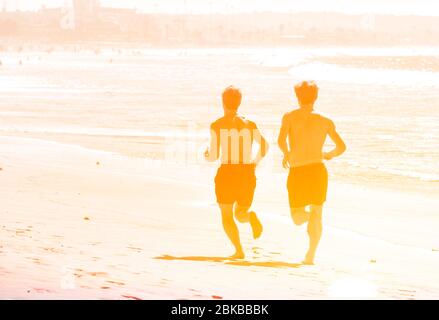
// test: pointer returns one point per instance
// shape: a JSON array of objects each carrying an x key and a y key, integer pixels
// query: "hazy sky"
[{"x": 418, "y": 7}]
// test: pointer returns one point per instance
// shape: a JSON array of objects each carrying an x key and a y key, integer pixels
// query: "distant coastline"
[{"x": 127, "y": 26}]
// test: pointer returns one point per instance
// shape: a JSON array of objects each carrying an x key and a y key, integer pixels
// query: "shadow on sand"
[{"x": 229, "y": 261}]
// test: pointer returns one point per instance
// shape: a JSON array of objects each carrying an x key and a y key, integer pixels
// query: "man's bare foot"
[
  {"x": 309, "y": 260},
  {"x": 256, "y": 225},
  {"x": 239, "y": 255}
]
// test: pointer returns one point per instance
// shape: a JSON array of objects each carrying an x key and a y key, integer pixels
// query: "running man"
[
  {"x": 232, "y": 139},
  {"x": 301, "y": 140}
]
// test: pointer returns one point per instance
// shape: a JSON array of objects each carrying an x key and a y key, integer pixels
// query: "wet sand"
[{"x": 78, "y": 223}]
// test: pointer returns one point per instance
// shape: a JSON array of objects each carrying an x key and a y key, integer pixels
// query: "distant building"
[
  {"x": 85, "y": 13},
  {"x": 124, "y": 20},
  {"x": 86, "y": 7}
]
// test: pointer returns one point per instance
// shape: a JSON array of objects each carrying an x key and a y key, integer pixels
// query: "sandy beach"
[
  {"x": 112, "y": 123},
  {"x": 79, "y": 223}
]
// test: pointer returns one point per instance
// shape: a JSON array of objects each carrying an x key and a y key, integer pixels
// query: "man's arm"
[
  {"x": 282, "y": 141},
  {"x": 263, "y": 146},
  {"x": 212, "y": 153},
  {"x": 340, "y": 146}
]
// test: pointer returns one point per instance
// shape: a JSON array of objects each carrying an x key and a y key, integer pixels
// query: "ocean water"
[{"x": 384, "y": 101}]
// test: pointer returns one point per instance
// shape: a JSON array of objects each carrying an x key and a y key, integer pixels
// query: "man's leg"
[
  {"x": 315, "y": 232},
  {"x": 231, "y": 229},
  {"x": 243, "y": 215},
  {"x": 300, "y": 215}
]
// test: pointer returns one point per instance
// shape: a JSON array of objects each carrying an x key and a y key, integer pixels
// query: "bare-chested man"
[
  {"x": 301, "y": 140},
  {"x": 232, "y": 138}
]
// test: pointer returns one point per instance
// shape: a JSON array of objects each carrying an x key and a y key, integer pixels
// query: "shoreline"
[{"x": 128, "y": 146}]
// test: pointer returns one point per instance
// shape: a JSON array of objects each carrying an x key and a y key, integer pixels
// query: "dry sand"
[{"x": 82, "y": 224}]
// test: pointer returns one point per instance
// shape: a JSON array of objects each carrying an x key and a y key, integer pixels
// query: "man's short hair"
[
  {"x": 232, "y": 98},
  {"x": 306, "y": 92}
]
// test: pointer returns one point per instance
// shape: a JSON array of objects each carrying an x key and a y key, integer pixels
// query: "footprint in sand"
[
  {"x": 35, "y": 260},
  {"x": 407, "y": 291},
  {"x": 256, "y": 250},
  {"x": 80, "y": 273},
  {"x": 39, "y": 290},
  {"x": 138, "y": 250},
  {"x": 52, "y": 250},
  {"x": 86, "y": 287},
  {"x": 98, "y": 274},
  {"x": 196, "y": 293},
  {"x": 131, "y": 297},
  {"x": 164, "y": 281},
  {"x": 22, "y": 231},
  {"x": 118, "y": 283}
]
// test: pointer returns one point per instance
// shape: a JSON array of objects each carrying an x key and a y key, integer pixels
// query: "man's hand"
[
  {"x": 255, "y": 163},
  {"x": 286, "y": 162},
  {"x": 327, "y": 156}
]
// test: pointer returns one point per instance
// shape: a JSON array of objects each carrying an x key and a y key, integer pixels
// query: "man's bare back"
[
  {"x": 232, "y": 140},
  {"x": 307, "y": 134}
]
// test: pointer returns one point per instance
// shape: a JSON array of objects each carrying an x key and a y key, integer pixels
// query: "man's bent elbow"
[
  {"x": 265, "y": 148},
  {"x": 212, "y": 159},
  {"x": 281, "y": 144},
  {"x": 342, "y": 149}
]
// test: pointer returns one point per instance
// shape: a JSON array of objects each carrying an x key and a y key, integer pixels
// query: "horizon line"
[{"x": 238, "y": 12}]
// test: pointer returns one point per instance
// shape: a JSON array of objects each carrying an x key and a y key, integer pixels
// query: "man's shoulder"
[
  {"x": 249, "y": 123},
  {"x": 324, "y": 119},
  {"x": 320, "y": 116},
  {"x": 217, "y": 123},
  {"x": 228, "y": 123},
  {"x": 290, "y": 115}
]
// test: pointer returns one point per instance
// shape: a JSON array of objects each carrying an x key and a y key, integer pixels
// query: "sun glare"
[{"x": 352, "y": 288}]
